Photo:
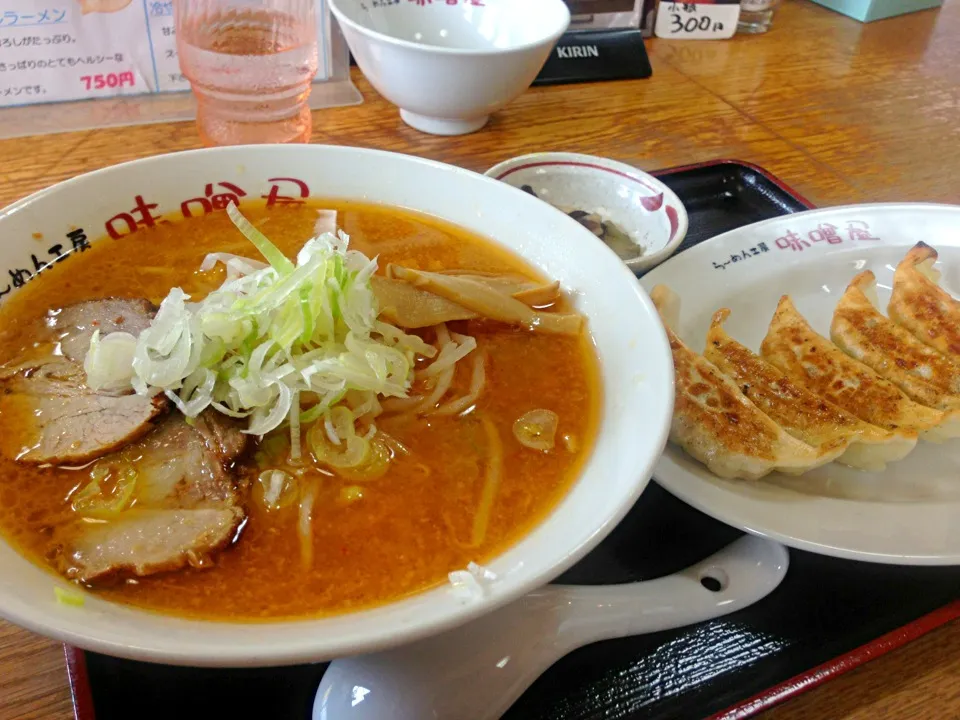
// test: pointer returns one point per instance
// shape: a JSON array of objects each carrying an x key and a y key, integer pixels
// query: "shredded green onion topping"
[
  {"x": 275, "y": 342},
  {"x": 68, "y": 597}
]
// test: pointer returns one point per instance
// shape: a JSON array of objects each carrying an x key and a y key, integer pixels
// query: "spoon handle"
[
  {"x": 476, "y": 671},
  {"x": 737, "y": 576}
]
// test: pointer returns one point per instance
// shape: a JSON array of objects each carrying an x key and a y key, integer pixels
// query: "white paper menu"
[{"x": 56, "y": 50}]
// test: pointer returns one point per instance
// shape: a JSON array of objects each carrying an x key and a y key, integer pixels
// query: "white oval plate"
[{"x": 908, "y": 514}]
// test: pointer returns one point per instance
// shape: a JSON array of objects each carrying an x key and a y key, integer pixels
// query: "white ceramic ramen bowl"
[
  {"x": 636, "y": 375},
  {"x": 449, "y": 64},
  {"x": 644, "y": 208}
]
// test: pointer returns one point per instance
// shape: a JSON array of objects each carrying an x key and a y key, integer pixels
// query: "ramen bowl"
[
  {"x": 636, "y": 377},
  {"x": 448, "y": 66}
]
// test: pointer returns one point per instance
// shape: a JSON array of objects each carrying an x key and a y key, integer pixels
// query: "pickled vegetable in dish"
[
  {"x": 278, "y": 412},
  {"x": 612, "y": 235}
]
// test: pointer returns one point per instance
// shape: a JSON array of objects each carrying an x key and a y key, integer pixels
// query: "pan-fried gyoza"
[{"x": 862, "y": 398}]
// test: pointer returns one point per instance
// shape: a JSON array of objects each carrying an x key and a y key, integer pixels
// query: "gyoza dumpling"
[
  {"x": 922, "y": 306},
  {"x": 823, "y": 368},
  {"x": 716, "y": 424},
  {"x": 808, "y": 417},
  {"x": 924, "y": 374}
]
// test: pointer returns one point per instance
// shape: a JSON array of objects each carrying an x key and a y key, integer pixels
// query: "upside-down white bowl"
[
  {"x": 636, "y": 373},
  {"x": 449, "y": 64}
]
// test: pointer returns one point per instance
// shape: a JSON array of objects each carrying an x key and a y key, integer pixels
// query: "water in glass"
[
  {"x": 756, "y": 16},
  {"x": 250, "y": 67}
]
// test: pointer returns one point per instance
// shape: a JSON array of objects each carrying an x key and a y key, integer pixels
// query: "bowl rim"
[
  {"x": 307, "y": 649},
  {"x": 602, "y": 164},
  {"x": 457, "y": 52}
]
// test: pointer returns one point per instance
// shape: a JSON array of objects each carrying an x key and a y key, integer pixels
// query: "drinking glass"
[
  {"x": 756, "y": 16},
  {"x": 250, "y": 64}
]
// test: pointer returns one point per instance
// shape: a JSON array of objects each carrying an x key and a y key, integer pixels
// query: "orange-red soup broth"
[{"x": 409, "y": 528}]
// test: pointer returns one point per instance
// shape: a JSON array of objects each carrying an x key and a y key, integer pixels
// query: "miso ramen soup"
[{"x": 300, "y": 431}]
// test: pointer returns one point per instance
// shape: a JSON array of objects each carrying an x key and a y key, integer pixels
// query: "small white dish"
[
  {"x": 641, "y": 206},
  {"x": 908, "y": 514},
  {"x": 449, "y": 64}
]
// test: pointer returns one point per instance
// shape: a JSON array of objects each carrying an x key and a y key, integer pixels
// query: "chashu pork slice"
[
  {"x": 145, "y": 542},
  {"x": 835, "y": 433},
  {"x": 920, "y": 305},
  {"x": 50, "y": 416},
  {"x": 186, "y": 505},
  {"x": 821, "y": 367},
  {"x": 74, "y": 325},
  {"x": 48, "y": 413},
  {"x": 716, "y": 424}
]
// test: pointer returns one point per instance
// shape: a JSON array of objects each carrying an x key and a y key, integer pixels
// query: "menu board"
[{"x": 56, "y": 50}]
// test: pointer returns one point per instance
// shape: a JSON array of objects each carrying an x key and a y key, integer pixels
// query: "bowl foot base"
[{"x": 442, "y": 126}]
